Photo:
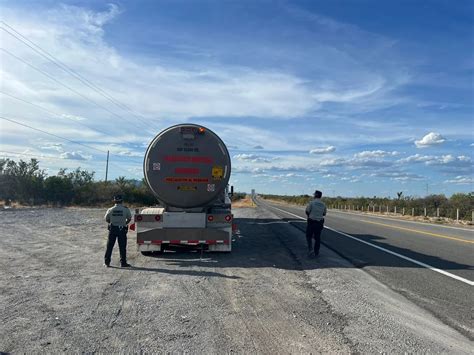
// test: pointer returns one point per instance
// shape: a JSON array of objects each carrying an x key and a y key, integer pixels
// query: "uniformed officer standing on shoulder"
[
  {"x": 118, "y": 218},
  {"x": 316, "y": 210}
]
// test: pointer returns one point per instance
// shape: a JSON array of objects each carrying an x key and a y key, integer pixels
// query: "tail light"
[
  {"x": 138, "y": 218},
  {"x": 158, "y": 218},
  {"x": 228, "y": 218},
  {"x": 132, "y": 227},
  {"x": 210, "y": 218}
]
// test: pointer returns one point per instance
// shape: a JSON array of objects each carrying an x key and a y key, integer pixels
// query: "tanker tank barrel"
[{"x": 187, "y": 166}]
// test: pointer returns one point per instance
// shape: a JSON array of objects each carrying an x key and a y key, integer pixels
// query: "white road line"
[
  {"x": 400, "y": 220},
  {"x": 445, "y": 273}
]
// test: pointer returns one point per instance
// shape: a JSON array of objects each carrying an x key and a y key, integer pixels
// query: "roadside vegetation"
[
  {"x": 24, "y": 183},
  {"x": 238, "y": 196},
  {"x": 434, "y": 204}
]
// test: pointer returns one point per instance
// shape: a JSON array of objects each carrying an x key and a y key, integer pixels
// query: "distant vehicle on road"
[{"x": 187, "y": 167}]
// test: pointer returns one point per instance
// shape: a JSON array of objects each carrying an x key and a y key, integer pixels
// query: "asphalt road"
[
  {"x": 266, "y": 297},
  {"x": 430, "y": 265}
]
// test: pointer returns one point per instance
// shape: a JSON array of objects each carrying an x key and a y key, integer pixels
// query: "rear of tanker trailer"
[{"x": 187, "y": 167}]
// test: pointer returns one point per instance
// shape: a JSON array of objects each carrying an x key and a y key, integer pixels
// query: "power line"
[
  {"x": 37, "y": 156},
  {"x": 64, "y": 85},
  {"x": 40, "y": 157},
  {"x": 59, "y": 115},
  {"x": 45, "y": 54},
  {"x": 30, "y": 155},
  {"x": 64, "y": 138},
  {"x": 52, "y": 112},
  {"x": 52, "y": 134}
]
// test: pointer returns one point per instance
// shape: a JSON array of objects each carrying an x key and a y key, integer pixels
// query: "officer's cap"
[{"x": 118, "y": 198}]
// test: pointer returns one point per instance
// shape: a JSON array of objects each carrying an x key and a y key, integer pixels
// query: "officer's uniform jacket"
[
  {"x": 118, "y": 215},
  {"x": 316, "y": 210}
]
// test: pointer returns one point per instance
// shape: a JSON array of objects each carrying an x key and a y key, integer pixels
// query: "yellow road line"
[{"x": 421, "y": 232}]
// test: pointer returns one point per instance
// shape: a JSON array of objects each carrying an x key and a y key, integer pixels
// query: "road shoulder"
[{"x": 378, "y": 318}]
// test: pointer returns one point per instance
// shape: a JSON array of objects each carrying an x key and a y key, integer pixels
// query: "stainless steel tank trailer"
[{"x": 187, "y": 167}]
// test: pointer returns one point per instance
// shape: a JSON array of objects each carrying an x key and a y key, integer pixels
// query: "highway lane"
[
  {"x": 451, "y": 250},
  {"x": 430, "y": 265}
]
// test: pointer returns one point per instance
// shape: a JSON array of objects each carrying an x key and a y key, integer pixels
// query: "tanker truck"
[{"x": 187, "y": 167}]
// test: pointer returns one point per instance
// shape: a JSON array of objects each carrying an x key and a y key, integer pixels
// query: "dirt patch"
[{"x": 245, "y": 202}]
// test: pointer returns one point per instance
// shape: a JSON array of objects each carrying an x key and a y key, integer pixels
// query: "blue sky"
[{"x": 351, "y": 97}]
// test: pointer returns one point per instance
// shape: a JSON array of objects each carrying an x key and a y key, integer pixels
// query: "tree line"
[
  {"x": 25, "y": 183},
  {"x": 447, "y": 207}
]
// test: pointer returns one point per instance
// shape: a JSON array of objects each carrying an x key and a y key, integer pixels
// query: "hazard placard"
[{"x": 217, "y": 172}]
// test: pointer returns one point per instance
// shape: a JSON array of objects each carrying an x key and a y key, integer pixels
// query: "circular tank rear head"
[{"x": 187, "y": 166}]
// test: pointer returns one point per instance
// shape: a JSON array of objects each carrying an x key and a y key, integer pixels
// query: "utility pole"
[
  {"x": 107, "y": 167},
  {"x": 427, "y": 189}
]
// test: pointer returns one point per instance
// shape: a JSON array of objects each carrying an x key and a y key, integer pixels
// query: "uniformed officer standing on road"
[
  {"x": 316, "y": 210},
  {"x": 118, "y": 218}
]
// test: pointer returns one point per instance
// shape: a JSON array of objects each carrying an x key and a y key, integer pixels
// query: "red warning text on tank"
[
  {"x": 186, "y": 179},
  {"x": 188, "y": 159}
]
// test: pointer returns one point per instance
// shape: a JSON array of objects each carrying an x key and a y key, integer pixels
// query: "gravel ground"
[{"x": 264, "y": 297}]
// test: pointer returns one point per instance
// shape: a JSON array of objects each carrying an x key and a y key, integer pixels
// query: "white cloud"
[
  {"x": 398, "y": 175},
  {"x": 252, "y": 158},
  {"x": 430, "y": 139},
  {"x": 72, "y": 117},
  {"x": 417, "y": 158},
  {"x": 52, "y": 146},
  {"x": 333, "y": 162},
  {"x": 157, "y": 91},
  {"x": 375, "y": 154},
  {"x": 74, "y": 156},
  {"x": 461, "y": 180},
  {"x": 325, "y": 150},
  {"x": 448, "y": 159}
]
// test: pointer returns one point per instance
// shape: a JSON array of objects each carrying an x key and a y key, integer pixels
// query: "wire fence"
[{"x": 455, "y": 214}]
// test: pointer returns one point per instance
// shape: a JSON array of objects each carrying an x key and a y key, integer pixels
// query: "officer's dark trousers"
[
  {"x": 120, "y": 234},
  {"x": 313, "y": 230}
]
